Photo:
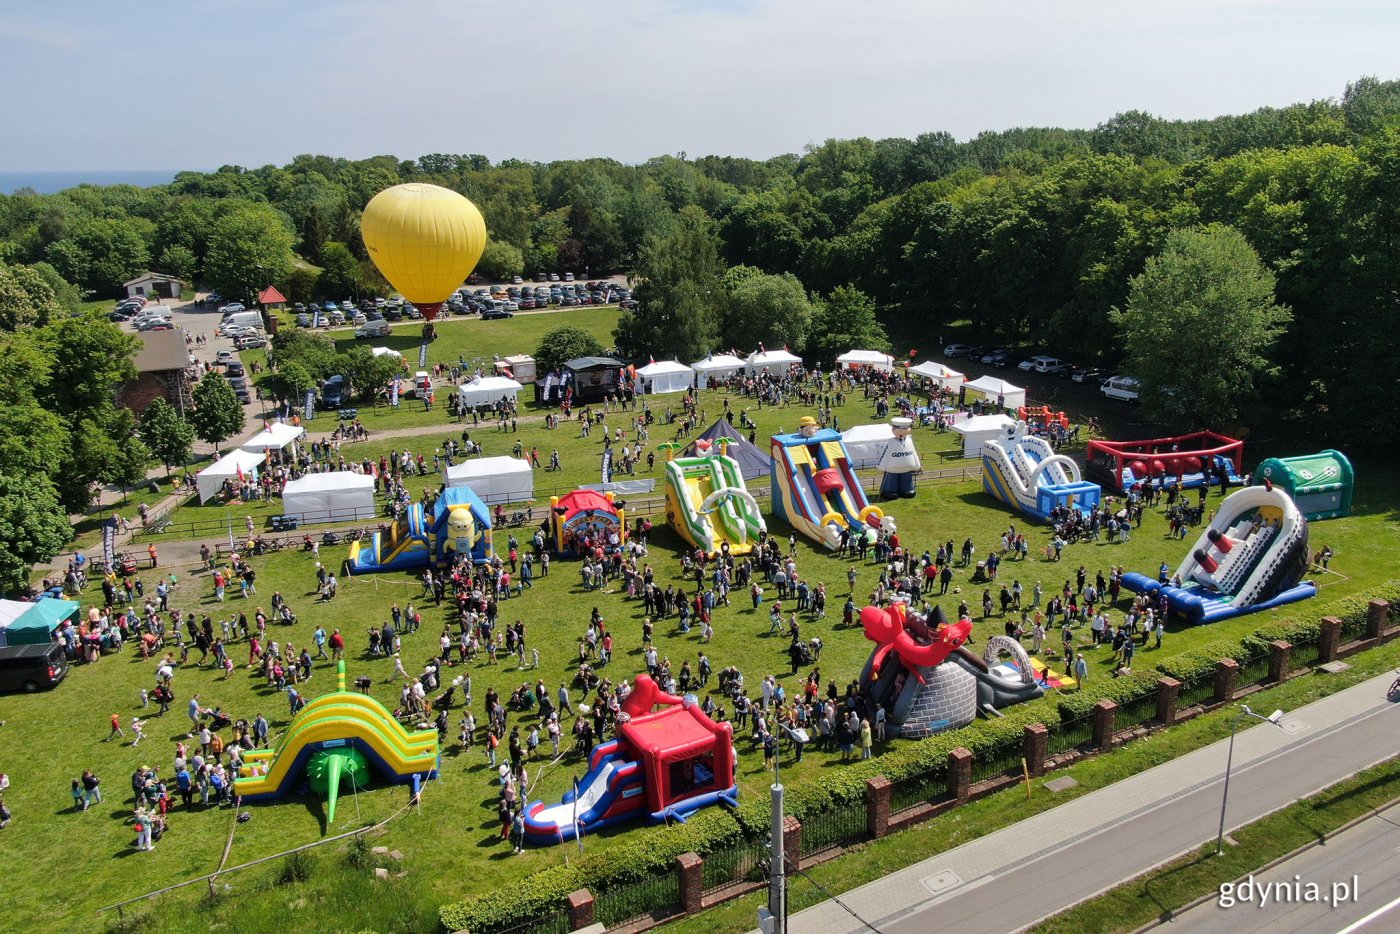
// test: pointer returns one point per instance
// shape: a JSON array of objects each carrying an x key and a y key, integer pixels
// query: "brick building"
[{"x": 162, "y": 370}]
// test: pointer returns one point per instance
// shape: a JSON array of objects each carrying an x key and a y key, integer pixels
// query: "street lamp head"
[{"x": 1275, "y": 717}]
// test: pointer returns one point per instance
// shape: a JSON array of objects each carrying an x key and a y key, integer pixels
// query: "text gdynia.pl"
[{"x": 1252, "y": 891}]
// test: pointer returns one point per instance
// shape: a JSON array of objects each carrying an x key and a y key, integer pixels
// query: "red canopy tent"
[{"x": 270, "y": 296}]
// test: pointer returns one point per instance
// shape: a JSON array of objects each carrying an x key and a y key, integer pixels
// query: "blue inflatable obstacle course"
[
  {"x": 459, "y": 523},
  {"x": 1251, "y": 557}
]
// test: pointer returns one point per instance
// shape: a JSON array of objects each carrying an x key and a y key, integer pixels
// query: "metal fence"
[
  {"x": 1253, "y": 669},
  {"x": 654, "y": 895},
  {"x": 842, "y": 826},
  {"x": 742, "y": 862},
  {"x": 924, "y": 788},
  {"x": 1306, "y": 653},
  {"x": 1137, "y": 711},
  {"x": 1197, "y": 690},
  {"x": 556, "y": 923},
  {"x": 997, "y": 761},
  {"x": 1069, "y": 734},
  {"x": 1354, "y": 626}
]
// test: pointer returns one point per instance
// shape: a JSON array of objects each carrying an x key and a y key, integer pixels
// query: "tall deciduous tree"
[
  {"x": 763, "y": 309},
  {"x": 566, "y": 343},
  {"x": 680, "y": 295},
  {"x": 33, "y": 525},
  {"x": 340, "y": 271},
  {"x": 168, "y": 436},
  {"x": 217, "y": 415},
  {"x": 845, "y": 321},
  {"x": 249, "y": 247},
  {"x": 1198, "y": 324},
  {"x": 26, "y": 299}
]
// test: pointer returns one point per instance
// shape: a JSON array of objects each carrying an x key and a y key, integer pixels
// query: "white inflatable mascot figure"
[{"x": 900, "y": 462}]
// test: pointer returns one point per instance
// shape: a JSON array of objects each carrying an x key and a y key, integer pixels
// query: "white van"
[
  {"x": 243, "y": 319},
  {"x": 1122, "y": 388},
  {"x": 378, "y": 328}
]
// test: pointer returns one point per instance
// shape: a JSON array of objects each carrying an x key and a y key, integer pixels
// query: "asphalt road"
[
  {"x": 1361, "y": 862},
  {"x": 1016, "y": 877},
  {"x": 1094, "y": 857}
]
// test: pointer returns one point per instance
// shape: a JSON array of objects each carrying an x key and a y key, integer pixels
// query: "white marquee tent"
[
  {"x": 487, "y": 390},
  {"x": 211, "y": 479},
  {"x": 771, "y": 361},
  {"x": 274, "y": 437},
  {"x": 716, "y": 366},
  {"x": 996, "y": 391},
  {"x": 336, "y": 496},
  {"x": 871, "y": 358},
  {"x": 666, "y": 376},
  {"x": 865, "y": 443},
  {"x": 495, "y": 479},
  {"x": 983, "y": 428},
  {"x": 384, "y": 352},
  {"x": 944, "y": 376}
]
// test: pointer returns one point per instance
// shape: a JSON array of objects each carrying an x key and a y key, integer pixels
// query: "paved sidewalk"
[{"x": 1018, "y": 876}]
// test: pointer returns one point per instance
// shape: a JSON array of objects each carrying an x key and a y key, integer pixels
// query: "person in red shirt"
[
  {"x": 337, "y": 642},
  {"x": 116, "y": 728}
]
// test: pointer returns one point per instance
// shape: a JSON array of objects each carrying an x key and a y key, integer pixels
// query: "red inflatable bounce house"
[{"x": 1197, "y": 459}]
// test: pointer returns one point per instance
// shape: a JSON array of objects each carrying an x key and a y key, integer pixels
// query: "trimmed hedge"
[{"x": 653, "y": 850}]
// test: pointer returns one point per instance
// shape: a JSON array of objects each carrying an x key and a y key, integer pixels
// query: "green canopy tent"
[{"x": 36, "y": 625}]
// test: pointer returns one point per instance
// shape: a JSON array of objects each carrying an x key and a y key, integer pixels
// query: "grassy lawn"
[
  {"x": 1157, "y": 894},
  {"x": 454, "y": 840},
  {"x": 450, "y": 846}
]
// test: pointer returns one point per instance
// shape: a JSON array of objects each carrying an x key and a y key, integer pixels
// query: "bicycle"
[{"x": 1394, "y": 685}]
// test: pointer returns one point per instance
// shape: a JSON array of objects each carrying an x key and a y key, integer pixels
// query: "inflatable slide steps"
[{"x": 1250, "y": 554}]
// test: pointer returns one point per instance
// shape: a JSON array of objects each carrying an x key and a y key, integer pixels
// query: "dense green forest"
[{"x": 1119, "y": 245}]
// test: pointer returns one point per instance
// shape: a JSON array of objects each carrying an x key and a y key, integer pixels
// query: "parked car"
[
  {"x": 358, "y": 318},
  {"x": 223, "y": 358},
  {"x": 411, "y": 311},
  {"x": 498, "y": 312},
  {"x": 1090, "y": 375},
  {"x": 334, "y": 392},
  {"x": 232, "y": 308},
  {"x": 234, "y": 369},
  {"x": 250, "y": 342},
  {"x": 1122, "y": 388},
  {"x": 998, "y": 357},
  {"x": 303, "y": 321},
  {"x": 1041, "y": 363},
  {"x": 957, "y": 350}
]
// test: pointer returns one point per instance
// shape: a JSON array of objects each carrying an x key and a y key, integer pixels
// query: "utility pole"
[{"x": 773, "y": 919}]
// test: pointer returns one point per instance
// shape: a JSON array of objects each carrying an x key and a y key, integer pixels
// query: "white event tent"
[
  {"x": 771, "y": 361},
  {"x": 274, "y": 437},
  {"x": 996, "y": 391},
  {"x": 487, "y": 390},
  {"x": 384, "y": 352},
  {"x": 945, "y": 377},
  {"x": 211, "y": 479},
  {"x": 871, "y": 358},
  {"x": 495, "y": 479},
  {"x": 980, "y": 429},
  {"x": 865, "y": 443},
  {"x": 716, "y": 366},
  {"x": 335, "y": 496},
  {"x": 666, "y": 376}
]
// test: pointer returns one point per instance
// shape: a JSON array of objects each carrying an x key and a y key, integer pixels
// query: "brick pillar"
[
  {"x": 1168, "y": 694},
  {"x": 877, "y": 806},
  {"x": 1279, "y": 656},
  {"x": 1377, "y": 615},
  {"x": 1105, "y": 713},
  {"x": 1329, "y": 637},
  {"x": 691, "y": 881},
  {"x": 960, "y": 773},
  {"x": 1035, "y": 738},
  {"x": 792, "y": 840},
  {"x": 1226, "y": 671},
  {"x": 580, "y": 909}
]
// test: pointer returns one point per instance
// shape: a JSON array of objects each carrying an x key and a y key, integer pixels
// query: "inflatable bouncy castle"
[
  {"x": 1202, "y": 458},
  {"x": 1251, "y": 557},
  {"x": 1023, "y": 471},
  {"x": 459, "y": 523},
  {"x": 662, "y": 766},
  {"x": 588, "y": 519},
  {"x": 927, "y": 681},
  {"x": 1321, "y": 484},
  {"x": 707, "y": 501}
]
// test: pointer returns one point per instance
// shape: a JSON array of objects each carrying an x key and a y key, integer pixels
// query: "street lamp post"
[{"x": 1273, "y": 718}]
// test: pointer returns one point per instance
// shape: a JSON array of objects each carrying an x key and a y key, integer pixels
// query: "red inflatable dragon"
[{"x": 917, "y": 643}]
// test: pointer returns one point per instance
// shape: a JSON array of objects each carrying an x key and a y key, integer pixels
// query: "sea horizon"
[{"x": 47, "y": 182}]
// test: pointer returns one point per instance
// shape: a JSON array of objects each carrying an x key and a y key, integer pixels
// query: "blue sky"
[{"x": 195, "y": 84}]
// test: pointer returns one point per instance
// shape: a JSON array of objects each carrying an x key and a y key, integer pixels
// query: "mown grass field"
[{"x": 451, "y": 845}]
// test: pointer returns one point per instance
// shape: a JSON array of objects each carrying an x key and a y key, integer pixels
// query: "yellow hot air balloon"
[{"x": 425, "y": 240}]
